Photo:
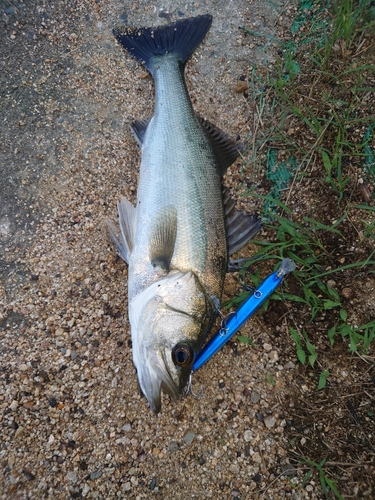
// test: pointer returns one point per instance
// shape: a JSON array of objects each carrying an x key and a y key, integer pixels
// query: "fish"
[{"x": 178, "y": 237}]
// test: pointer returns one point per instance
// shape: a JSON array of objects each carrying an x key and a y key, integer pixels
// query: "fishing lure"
[{"x": 233, "y": 322}]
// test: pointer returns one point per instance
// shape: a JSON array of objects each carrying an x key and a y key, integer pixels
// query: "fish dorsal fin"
[
  {"x": 127, "y": 218},
  {"x": 163, "y": 238},
  {"x": 240, "y": 227},
  {"x": 225, "y": 149},
  {"x": 139, "y": 127}
]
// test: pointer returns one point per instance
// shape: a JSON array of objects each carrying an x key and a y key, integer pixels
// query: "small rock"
[
  {"x": 52, "y": 401},
  {"x": 269, "y": 421},
  {"x": 73, "y": 355},
  {"x": 127, "y": 486},
  {"x": 257, "y": 478},
  {"x": 28, "y": 475},
  {"x": 189, "y": 437},
  {"x": 19, "y": 431},
  {"x": 290, "y": 365},
  {"x": 72, "y": 476},
  {"x": 85, "y": 489},
  {"x": 126, "y": 428},
  {"x": 347, "y": 293},
  {"x": 13, "y": 405},
  {"x": 255, "y": 397},
  {"x": 267, "y": 347},
  {"x": 23, "y": 367},
  {"x": 273, "y": 356},
  {"x": 97, "y": 474},
  {"x": 173, "y": 447},
  {"x": 153, "y": 483},
  {"x": 256, "y": 458},
  {"x": 235, "y": 493},
  {"x": 247, "y": 435},
  {"x": 289, "y": 470}
]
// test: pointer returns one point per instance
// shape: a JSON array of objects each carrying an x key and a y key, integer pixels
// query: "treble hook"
[{"x": 189, "y": 388}]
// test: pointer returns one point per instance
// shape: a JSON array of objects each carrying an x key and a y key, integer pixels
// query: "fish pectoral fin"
[
  {"x": 240, "y": 227},
  {"x": 139, "y": 127},
  {"x": 163, "y": 238},
  {"x": 225, "y": 148},
  {"x": 127, "y": 217}
]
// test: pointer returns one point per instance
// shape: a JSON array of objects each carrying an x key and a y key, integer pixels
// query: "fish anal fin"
[
  {"x": 240, "y": 227},
  {"x": 163, "y": 238},
  {"x": 139, "y": 127},
  {"x": 225, "y": 148}
]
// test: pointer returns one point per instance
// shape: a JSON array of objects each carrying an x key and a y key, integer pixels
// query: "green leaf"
[
  {"x": 330, "y": 304},
  {"x": 301, "y": 355},
  {"x": 331, "y": 334},
  {"x": 312, "y": 359},
  {"x": 323, "y": 379},
  {"x": 326, "y": 161},
  {"x": 343, "y": 314},
  {"x": 270, "y": 379},
  {"x": 244, "y": 339},
  {"x": 332, "y": 485}
]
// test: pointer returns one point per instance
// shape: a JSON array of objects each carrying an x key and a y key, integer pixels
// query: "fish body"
[{"x": 175, "y": 239}]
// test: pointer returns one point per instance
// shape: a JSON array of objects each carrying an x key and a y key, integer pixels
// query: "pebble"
[
  {"x": 153, "y": 483},
  {"x": 189, "y": 437},
  {"x": 267, "y": 347},
  {"x": 289, "y": 470},
  {"x": 72, "y": 476},
  {"x": 127, "y": 486},
  {"x": 96, "y": 474},
  {"x": 256, "y": 457},
  {"x": 23, "y": 367},
  {"x": 173, "y": 447},
  {"x": 269, "y": 421},
  {"x": 13, "y": 405},
  {"x": 255, "y": 397},
  {"x": 247, "y": 435},
  {"x": 273, "y": 356}
]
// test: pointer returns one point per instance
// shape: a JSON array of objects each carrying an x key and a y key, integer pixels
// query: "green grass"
[
  {"x": 322, "y": 85},
  {"x": 326, "y": 483}
]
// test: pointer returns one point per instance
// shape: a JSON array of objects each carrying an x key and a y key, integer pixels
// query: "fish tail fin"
[{"x": 180, "y": 38}]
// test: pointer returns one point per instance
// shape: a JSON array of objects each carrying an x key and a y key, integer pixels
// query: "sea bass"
[{"x": 177, "y": 239}]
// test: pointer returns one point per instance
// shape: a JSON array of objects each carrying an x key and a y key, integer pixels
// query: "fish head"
[{"x": 169, "y": 320}]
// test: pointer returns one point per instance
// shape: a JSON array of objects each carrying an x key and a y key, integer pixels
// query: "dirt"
[{"x": 73, "y": 422}]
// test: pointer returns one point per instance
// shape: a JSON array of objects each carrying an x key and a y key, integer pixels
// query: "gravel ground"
[{"x": 73, "y": 422}]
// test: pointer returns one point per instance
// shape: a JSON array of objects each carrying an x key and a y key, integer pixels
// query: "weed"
[{"x": 326, "y": 483}]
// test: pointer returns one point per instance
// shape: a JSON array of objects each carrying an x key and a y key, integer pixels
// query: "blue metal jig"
[{"x": 233, "y": 322}]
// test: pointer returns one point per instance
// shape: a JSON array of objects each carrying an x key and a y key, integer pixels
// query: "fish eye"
[{"x": 182, "y": 355}]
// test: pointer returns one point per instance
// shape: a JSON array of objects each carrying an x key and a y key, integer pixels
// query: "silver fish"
[{"x": 176, "y": 240}]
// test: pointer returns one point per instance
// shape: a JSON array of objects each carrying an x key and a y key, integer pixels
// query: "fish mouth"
[{"x": 153, "y": 377}]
